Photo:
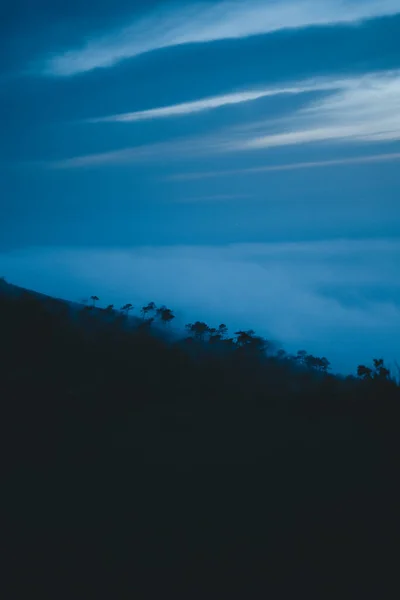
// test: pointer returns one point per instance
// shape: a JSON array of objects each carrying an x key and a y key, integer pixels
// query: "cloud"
[
  {"x": 292, "y": 292},
  {"x": 288, "y": 167},
  {"x": 188, "y": 108},
  {"x": 184, "y": 108},
  {"x": 367, "y": 109},
  {"x": 200, "y": 22},
  {"x": 362, "y": 109},
  {"x": 171, "y": 150}
]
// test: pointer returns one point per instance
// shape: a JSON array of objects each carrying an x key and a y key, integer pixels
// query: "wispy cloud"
[
  {"x": 200, "y": 22},
  {"x": 377, "y": 158},
  {"x": 365, "y": 110},
  {"x": 161, "y": 151},
  {"x": 188, "y": 108}
]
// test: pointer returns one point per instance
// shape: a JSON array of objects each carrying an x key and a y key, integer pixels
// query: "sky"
[{"x": 237, "y": 161}]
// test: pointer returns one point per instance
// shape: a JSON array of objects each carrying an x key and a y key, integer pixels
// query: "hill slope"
[{"x": 216, "y": 466}]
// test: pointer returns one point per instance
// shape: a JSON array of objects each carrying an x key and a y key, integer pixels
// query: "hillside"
[
  {"x": 130, "y": 447},
  {"x": 134, "y": 387}
]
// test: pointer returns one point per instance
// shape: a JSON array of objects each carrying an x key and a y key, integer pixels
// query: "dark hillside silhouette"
[{"x": 125, "y": 450}]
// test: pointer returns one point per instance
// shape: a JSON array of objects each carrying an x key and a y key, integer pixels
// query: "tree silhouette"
[
  {"x": 215, "y": 336},
  {"x": 198, "y": 329},
  {"x": 301, "y": 357},
  {"x": 94, "y": 299},
  {"x": 127, "y": 308},
  {"x": 151, "y": 307},
  {"x": 244, "y": 337},
  {"x": 378, "y": 373},
  {"x": 109, "y": 310},
  {"x": 313, "y": 363},
  {"x": 249, "y": 342},
  {"x": 165, "y": 315},
  {"x": 222, "y": 330},
  {"x": 316, "y": 363},
  {"x": 364, "y": 372}
]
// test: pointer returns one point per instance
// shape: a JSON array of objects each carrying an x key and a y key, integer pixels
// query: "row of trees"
[
  {"x": 92, "y": 368},
  {"x": 164, "y": 314},
  {"x": 203, "y": 335},
  {"x": 377, "y": 372},
  {"x": 244, "y": 340}
]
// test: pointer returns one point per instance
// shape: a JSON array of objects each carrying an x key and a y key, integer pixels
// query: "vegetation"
[
  {"x": 98, "y": 369},
  {"x": 94, "y": 398}
]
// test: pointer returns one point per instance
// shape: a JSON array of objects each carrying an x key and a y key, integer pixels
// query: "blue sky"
[{"x": 239, "y": 161}]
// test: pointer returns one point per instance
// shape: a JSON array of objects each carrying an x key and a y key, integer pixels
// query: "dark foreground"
[{"x": 138, "y": 468}]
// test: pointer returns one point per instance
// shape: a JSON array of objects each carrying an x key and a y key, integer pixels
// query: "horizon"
[{"x": 238, "y": 162}]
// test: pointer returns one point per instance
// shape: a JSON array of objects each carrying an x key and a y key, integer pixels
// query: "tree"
[
  {"x": 364, "y": 372},
  {"x": 323, "y": 364},
  {"x": 215, "y": 336},
  {"x": 198, "y": 329},
  {"x": 312, "y": 362},
  {"x": 94, "y": 299},
  {"x": 378, "y": 372},
  {"x": 243, "y": 337},
  {"x": 316, "y": 363},
  {"x": 109, "y": 310},
  {"x": 151, "y": 307},
  {"x": 127, "y": 308},
  {"x": 247, "y": 340},
  {"x": 301, "y": 357},
  {"x": 222, "y": 330},
  {"x": 165, "y": 315}
]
